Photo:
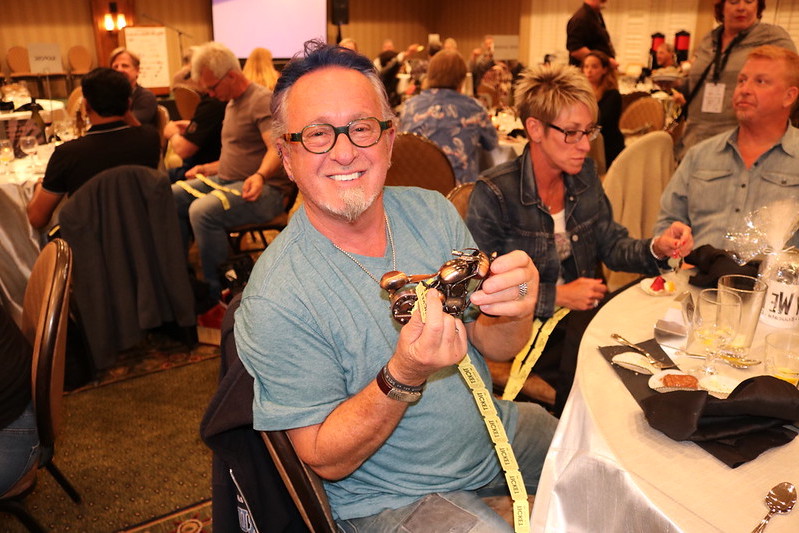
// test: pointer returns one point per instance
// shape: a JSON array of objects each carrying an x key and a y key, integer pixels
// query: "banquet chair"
[
  {"x": 186, "y": 100},
  {"x": 418, "y": 162},
  {"x": 75, "y": 103},
  {"x": 44, "y": 322},
  {"x": 80, "y": 63},
  {"x": 642, "y": 116},
  {"x": 20, "y": 68},
  {"x": 634, "y": 184},
  {"x": 303, "y": 484},
  {"x": 162, "y": 121},
  {"x": 459, "y": 196}
]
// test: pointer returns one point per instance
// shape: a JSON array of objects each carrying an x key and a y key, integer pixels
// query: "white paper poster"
[
  {"x": 45, "y": 58},
  {"x": 149, "y": 43}
]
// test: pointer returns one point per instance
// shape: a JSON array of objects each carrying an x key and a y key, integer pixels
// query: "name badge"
[{"x": 713, "y": 100}]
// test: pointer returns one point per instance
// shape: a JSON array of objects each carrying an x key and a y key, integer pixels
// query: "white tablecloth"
[
  {"x": 52, "y": 110},
  {"x": 19, "y": 242},
  {"x": 608, "y": 471}
]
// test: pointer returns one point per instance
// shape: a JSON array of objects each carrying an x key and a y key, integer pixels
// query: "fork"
[{"x": 621, "y": 340}]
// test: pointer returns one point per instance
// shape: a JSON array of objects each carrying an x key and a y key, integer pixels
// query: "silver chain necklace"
[{"x": 393, "y": 253}]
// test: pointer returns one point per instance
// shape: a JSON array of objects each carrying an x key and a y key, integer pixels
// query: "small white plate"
[
  {"x": 646, "y": 286},
  {"x": 634, "y": 361},
  {"x": 718, "y": 385},
  {"x": 656, "y": 381}
]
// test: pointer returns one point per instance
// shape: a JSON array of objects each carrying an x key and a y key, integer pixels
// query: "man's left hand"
[
  {"x": 511, "y": 289},
  {"x": 251, "y": 190}
]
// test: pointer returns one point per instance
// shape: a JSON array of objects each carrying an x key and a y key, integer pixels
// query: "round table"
[{"x": 608, "y": 470}]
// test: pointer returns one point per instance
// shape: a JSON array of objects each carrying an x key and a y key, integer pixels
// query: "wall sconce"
[{"x": 113, "y": 20}]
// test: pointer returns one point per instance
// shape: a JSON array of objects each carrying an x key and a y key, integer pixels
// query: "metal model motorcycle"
[{"x": 452, "y": 281}]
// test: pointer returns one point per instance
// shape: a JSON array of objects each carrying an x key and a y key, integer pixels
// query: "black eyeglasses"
[
  {"x": 575, "y": 136},
  {"x": 220, "y": 80},
  {"x": 320, "y": 138}
]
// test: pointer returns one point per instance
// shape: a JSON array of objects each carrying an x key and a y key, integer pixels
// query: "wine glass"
[
  {"x": 6, "y": 154},
  {"x": 715, "y": 323},
  {"x": 30, "y": 146}
]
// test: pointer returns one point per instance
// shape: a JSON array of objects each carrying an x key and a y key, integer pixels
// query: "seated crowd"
[{"x": 370, "y": 403}]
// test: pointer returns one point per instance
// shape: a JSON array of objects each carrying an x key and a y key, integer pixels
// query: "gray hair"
[{"x": 214, "y": 56}]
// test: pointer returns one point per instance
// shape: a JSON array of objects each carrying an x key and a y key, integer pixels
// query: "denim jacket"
[
  {"x": 713, "y": 190},
  {"x": 506, "y": 213}
]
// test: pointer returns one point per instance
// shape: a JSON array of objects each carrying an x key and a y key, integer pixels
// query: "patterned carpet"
[
  {"x": 131, "y": 447},
  {"x": 193, "y": 519},
  {"x": 151, "y": 357}
]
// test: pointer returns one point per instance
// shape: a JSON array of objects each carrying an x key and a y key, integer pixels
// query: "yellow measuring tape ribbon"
[
  {"x": 485, "y": 405},
  {"x": 219, "y": 190},
  {"x": 528, "y": 356}
]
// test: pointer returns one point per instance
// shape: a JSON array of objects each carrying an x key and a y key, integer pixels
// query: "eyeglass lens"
[
  {"x": 575, "y": 136},
  {"x": 320, "y": 138}
]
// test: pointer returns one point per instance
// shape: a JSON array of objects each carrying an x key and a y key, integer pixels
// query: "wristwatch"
[{"x": 396, "y": 390}]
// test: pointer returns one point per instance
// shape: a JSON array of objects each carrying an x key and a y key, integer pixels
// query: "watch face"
[{"x": 404, "y": 396}]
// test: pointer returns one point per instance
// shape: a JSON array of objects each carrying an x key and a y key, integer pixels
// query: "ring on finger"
[
  {"x": 596, "y": 303},
  {"x": 522, "y": 290}
]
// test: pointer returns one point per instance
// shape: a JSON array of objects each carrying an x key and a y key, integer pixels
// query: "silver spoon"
[{"x": 780, "y": 499}]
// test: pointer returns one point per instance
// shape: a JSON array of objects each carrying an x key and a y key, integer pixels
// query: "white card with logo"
[{"x": 713, "y": 100}]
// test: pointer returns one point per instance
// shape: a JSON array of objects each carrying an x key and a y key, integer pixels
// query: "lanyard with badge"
[{"x": 713, "y": 98}]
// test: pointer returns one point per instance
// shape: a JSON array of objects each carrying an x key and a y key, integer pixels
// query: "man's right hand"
[
  {"x": 426, "y": 347},
  {"x": 580, "y": 294}
]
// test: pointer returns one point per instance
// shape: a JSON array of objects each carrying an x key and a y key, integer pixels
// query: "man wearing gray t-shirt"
[
  {"x": 247, "y": 184},
  {"x": 378, "y": 409}
]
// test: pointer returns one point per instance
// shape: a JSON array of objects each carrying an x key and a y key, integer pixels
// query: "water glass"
[
  {"x": 715, "y": 323},
  {"x": 30, "y": 146},
  {"x": 752, "y": 293},
  {"x": 782, "y": 356}
]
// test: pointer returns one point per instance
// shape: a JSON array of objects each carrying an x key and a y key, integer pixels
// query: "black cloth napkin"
[
  {"x": 735, "y": 431},
  {"x": 637, "y": 384},
  {"x": 712, "y": 263}
]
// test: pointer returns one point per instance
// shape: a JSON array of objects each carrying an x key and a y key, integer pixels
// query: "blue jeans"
[
  {"x": 465, "y": 511},
  {"x": 19, "y": 448},
  {"x": 208, "y": 219}
]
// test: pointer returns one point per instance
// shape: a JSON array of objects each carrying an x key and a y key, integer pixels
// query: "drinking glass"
[
  {"x": 752, "y": 292},
  {"x": 782, "y": 356},
  {"x": 30, "y": 146},
  {"x": 65, "y": 130},
  {"x": 715, "y": 323},
  {"x": 6, "y": 154}
]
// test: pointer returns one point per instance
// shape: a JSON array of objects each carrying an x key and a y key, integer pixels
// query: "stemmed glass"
[
  {"x": 6, "y": 154},
  {"x": 30, "y": 146},
  {"x": 715, "y": 323}
]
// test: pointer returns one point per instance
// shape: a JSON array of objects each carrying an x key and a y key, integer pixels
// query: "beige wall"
[
  {"x": 410, "y": 21},
  {"x": 46, "y": 21},
  {"x": 68, "y": 22}
]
